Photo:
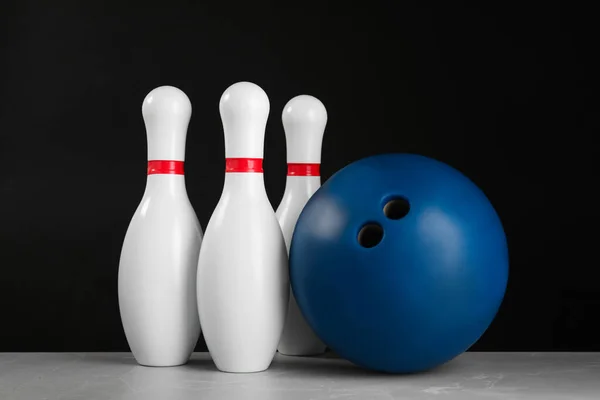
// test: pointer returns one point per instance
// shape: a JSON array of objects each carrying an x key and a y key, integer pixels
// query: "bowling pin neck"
[
  {"x": 166, "y": 147},
  {"x": 249, "y": 143},
  {"x": 248, "y": 184},
  {"x": 166, "y": 184},
  {"x": 303, "y": 147},
  {"x": 244, "y": 175},
  {"x": 304, "y": 186},
  {"x": 167, "y": 112}
]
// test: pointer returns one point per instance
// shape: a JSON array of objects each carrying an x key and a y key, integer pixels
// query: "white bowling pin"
[
  {"x": 157, "y": 271},
  {"x": 243, "y": 280},
  {"x": 304, "y": 119}
]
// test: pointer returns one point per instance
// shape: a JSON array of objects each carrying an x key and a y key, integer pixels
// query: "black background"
[{"x": 501, "y": 91}]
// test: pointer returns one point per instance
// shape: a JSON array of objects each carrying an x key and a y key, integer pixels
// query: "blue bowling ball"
[{"x": 399, "y": 263}]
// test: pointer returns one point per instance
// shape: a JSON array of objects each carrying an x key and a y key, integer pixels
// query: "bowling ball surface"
[{"x": 399, "y": 263}]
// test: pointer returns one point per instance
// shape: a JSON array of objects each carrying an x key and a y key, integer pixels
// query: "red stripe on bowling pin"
[
  {"x": 244, "y": 165},
  {"x": 304, "y": 169},
  {"x": 165, "y": 167}
]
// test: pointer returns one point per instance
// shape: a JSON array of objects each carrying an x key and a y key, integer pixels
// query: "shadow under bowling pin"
[{"x": 157, "y": 270}]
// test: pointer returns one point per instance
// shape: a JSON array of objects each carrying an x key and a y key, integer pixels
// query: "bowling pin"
[
  {"x": 243, "y": 279},
  {"x": 304, "y": 119},
  {"x": 157, "y": 270}
]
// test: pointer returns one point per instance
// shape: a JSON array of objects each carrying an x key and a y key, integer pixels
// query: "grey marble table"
[{"x": 116, "y": 376}]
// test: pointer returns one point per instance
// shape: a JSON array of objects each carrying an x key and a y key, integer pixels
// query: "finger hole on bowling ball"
[
  {"x": 396, "y": 208},
  {"x": 370, "y": 235}
]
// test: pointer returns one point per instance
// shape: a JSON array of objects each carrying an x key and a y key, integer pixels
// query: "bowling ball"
[{"x": 399, "y": 263}]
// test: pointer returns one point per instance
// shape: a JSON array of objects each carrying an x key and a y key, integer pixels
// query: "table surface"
[{"x": 473, "y": 375}]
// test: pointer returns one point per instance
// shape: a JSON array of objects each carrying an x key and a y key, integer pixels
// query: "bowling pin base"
[
  {"x": 243, "y": 372},
  {"x": 161, "y": 365},
  {"x": 162, "y": 362},
  {"x": 242, "y": 369}
]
